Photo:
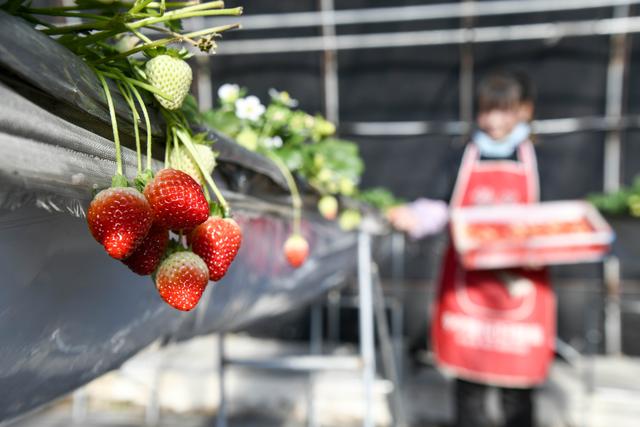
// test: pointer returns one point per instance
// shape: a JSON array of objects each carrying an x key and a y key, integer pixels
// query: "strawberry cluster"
[{"x": 135, "y": 228}]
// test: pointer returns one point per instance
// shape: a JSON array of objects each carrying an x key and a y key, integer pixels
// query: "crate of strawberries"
[{"x": 570, "y": 232}]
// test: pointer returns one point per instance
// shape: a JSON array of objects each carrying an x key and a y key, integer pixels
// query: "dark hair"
[{"x": 499, "y": 91}]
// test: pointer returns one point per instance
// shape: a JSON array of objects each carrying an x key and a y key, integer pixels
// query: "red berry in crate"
[
  {"x": 145, "y": 259},
  {"x": 296, "y": 250},
  {"x": 177, "y": 200},
  {"x": 181, "y": 279},
  {"x": 119, "y": 218},
  {"x": 217, "y": 241}
]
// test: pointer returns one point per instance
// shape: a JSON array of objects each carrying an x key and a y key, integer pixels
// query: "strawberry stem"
[
  {"x": 135, "y": 82},
  {"x": 72, "y": 14},
  {"x": 167, "y": 40},
  {"x": 178, "y": 13},
  {"x": 167, "y": 146},
  {"x": 141, "y": 36},
  {"x": 296, "y": 200},
  {"x": 137, "y": 7},
  {"x": 104, "y": 5},
  {"x": 186, "y": 141},
  {"x": 126, "y": 94},
  {"x": 114, "y": 122},
  {"x": 147, "y": 122}
]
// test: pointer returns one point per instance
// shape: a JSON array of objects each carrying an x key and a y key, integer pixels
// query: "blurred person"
[{"x": 491, "y": 328}]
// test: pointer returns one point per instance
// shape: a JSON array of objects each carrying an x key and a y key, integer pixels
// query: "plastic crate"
[{"x": 503, "y": 236}]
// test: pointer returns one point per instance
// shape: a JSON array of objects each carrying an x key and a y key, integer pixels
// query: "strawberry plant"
[
  {"x": 131, "y": 45},
  {"x": 625, "y": 201},
  {"x": 306, "y": 144}
]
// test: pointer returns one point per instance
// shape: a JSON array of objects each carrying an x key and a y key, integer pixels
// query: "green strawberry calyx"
[
  {"x": 218, "y": 211},
  {"x": 143, "y": 179},
  {"x": 119, "y": 180}
]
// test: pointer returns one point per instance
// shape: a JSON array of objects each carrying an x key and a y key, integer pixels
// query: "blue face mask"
[{"x": 505, "y": 147}]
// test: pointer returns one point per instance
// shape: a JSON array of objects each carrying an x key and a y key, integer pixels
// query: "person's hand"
[{"x": 403, "y": 218}]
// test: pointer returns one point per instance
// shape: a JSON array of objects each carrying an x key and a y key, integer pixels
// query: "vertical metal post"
[
  {"x": 79, "y": 407},
  {"x": 612, "y": 311},
  {"x": 466, "y": 73},
  {"x": 398, "y": 247},
  {"x": 152, "y": 410},
  {"x": 386, "y": 350},
  {"x": 203, "y": 82},
  {"x": 330, "y": 63},
  {"x": 612, "y": 166},
  {"x": 222, "y": 406},
  {"x": 333, "y": 318},
  {"x": 315, "y": 348},
  {"x": 365, "y": 306}
]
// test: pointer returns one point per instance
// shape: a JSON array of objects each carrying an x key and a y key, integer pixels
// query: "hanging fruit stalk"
[{"x": 296, "y": 247}]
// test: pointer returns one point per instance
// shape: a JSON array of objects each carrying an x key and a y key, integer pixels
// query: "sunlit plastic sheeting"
[
  {"x": 71, "y": 313},
  {"x": 55, "y": 163},
  {"x": 56, "y": 78}
]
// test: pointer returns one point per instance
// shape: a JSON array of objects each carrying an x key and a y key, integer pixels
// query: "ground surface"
[{"x": 188, "y": 392}]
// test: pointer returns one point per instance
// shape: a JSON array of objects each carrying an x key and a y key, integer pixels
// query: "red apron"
[{"x": 495, "y": 326}]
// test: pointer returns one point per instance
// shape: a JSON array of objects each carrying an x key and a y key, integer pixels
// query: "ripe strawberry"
[
  {"x": 296, "y": 250},
  {"x": 177, "y": 200},
  {"x": 328, "y": 207},
  {"x": 181, "y": 280},
  {"x": 182, "y": 160},
  {"x": 119, "y": 218},
  {"x": 217, "y": 241},
  {"x": 172, "y": 76},
  {"x": 145, "y": 259}
]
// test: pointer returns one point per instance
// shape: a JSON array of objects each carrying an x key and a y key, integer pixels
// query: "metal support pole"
[
  {"x": 387, "y": 351},
  {"x": 152, "y": 410},
  {"x": 466, "y": 72},
  {"x": 398, "y": 248},
  {"x": 203, "y": 82},
  {"x": 315, "y": 348},
  {"x": 615, "y": 101},
  {"x": 397, "y": 331},
  {"x": 365, "y": 306},
  {"x": 79, "y": 407},
  {"x": 333, "y": 318},
  {"x": 222, "y": 406},
  {"x": 612, "y": 166},
  {"x": 330, "y": 63},
  {"x": 612, "y": 311}
]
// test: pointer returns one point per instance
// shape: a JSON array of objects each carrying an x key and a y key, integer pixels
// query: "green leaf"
[{"x": 174, "y": 25}]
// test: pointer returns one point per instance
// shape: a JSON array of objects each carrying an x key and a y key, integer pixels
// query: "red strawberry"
[
  {"x": 296, "y": 250},
  {"x": 119, "y": 218},
  {"x": 177, "y": 200},
  {"x": 145, "y": 259},
  {"x": 181, "y": 280},
  {"x": 217, "y": 241}
]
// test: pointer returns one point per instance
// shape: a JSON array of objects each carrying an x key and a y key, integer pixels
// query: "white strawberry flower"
[
  {"x": 229, "y": 93},
  {"x": 249, "y": 108},
  {"x": 275, "y": 142}
]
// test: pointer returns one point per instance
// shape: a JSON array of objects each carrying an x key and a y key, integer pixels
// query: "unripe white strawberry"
[
  {"x": 182, "y": 160},
  {"x": 172, "y": 76},
  {"x": 328, "y": 207}
]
